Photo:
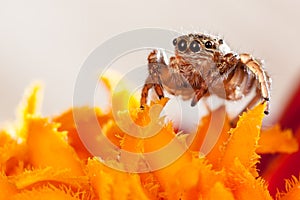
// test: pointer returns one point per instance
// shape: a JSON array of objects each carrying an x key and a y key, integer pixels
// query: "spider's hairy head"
[{"x": 199, "y": 46}]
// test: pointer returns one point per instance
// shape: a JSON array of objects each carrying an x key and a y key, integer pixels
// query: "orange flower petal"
[
  {"x": 43, "y": 177},
  {"x": 292, "y": 188},
  {"x": 162, "y": 136},
  {"x": 243, "y": 184},
  {"x": 242, "y": 143},
  {"x": 12, "y": 147},
  {"x": 111, "y": 184},
  {"x": 12, "y": 155},
  {"x": 190, "y": 180},
  {"x": 52, "y": 149},
  {"x": 7, "y": 188},
  {"x": 216, "y": 153},
  {"x": 50, "y": 193},
  {"x": 274, "y": 140},
  {"x": 67, "y": 123},
  {"x": 205, "y": 130},
  {"x": 219, "y": 191},
  {"x": 48, "y": 147}
]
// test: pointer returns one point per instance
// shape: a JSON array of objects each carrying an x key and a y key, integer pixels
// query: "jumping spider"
[{"x": 203, "y": 65}]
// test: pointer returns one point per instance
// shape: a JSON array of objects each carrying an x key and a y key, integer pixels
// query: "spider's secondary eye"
[
  {"x": 195, "y": 46},
  {"x": 208, "y": 44},
  {"x": 175, "y": 42},
  {"x": 182, "y": 45}
]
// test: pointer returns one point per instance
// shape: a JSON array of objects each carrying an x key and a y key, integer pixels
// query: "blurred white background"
[{"x": 49, "y": 40}]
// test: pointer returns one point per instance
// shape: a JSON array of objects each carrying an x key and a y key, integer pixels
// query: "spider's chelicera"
[{"x": 204, "y": 65}]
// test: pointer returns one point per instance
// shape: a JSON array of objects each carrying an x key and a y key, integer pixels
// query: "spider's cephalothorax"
[{"x": 202, "y": 65}]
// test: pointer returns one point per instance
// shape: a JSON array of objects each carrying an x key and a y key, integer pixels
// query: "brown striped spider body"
[{"x": 204, "y": 65}]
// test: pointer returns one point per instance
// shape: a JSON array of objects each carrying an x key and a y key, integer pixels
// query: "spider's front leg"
[
  {"x": 263, "y": 78},
  {"x": 155, "y": 63}
]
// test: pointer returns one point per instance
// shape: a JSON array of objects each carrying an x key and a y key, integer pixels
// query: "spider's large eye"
[
  {"x": 195, "y": 46},
  {"x": 208, "y": 44},
  {"x": 175, "y": 41},
  {"x": 182, "y": 45}
]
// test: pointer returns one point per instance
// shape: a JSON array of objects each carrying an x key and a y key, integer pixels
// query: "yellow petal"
[
  {"x": 28, "y": 107},
  {"x": 31, "y": 102}
]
